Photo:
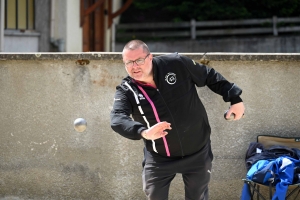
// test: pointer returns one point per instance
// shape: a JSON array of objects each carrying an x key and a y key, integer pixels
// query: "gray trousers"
[{"x": 159, "y": 171}]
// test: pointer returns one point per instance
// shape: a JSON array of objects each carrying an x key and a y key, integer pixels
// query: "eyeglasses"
[{"x": 138, "y": 62}]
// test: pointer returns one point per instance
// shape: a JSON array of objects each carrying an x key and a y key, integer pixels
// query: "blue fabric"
[
  {"x": 286, "y": 174},
  {"x": 282, "y": 167},
  {"x": 259, "y": 168},
  {"x": 246, "y": 193}
]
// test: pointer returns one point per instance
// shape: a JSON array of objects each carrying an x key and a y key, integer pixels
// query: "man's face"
[{"x": 138, "y": 64}]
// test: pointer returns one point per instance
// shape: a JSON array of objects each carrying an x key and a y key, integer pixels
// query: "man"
[{"x": 160, "y": 93}]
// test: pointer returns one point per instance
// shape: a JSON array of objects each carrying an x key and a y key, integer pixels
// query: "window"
[{"x": 19, "y": 14}]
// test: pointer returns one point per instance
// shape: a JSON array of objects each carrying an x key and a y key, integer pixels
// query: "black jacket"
[
  {"x": 176, "y": 101},
  {"x": 273, "y": 152}
]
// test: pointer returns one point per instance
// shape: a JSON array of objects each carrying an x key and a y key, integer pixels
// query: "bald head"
[{"x": 136, "y": 44}]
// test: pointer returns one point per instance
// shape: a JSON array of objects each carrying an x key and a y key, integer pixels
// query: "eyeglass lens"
[{"x": 140, "y": 61}]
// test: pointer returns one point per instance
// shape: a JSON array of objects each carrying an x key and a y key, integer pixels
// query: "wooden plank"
[
  {"x": 155, "y": 34},
  {"x": 203, "y": 23},
  {"x": 232, "y": 22},
  {"x": 85, "y": 33},
  {"x": 289, "y": 29},
  {"x": 234, "y": 31},
  {"x": 198, "y": 33},
  {"x": 289, "y": 19},
  {"x": 98, "y": 29},
  {"x": 185, "y": 28},
  {"x": 153, "y": 25},
  {"x": 208, "y": 32}
]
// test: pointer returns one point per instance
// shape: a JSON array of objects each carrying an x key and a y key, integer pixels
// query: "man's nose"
[{"x": 134, "y": 64}]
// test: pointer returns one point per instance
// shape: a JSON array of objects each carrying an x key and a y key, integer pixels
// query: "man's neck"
[{"x": 147, "y": 83}]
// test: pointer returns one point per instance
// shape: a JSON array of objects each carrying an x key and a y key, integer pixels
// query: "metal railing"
[{"x": 194, "y": 29}]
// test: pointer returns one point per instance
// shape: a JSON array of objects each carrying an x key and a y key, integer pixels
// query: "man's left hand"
[{"x": 237, "y": 109}]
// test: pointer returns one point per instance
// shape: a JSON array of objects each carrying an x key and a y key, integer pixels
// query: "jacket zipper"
[{"x": 173, "y": 121}]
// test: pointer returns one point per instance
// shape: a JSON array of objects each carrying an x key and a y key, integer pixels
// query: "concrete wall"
[
  {"x": 43, "y": 157},
  {"x": 266, "y": 44}
]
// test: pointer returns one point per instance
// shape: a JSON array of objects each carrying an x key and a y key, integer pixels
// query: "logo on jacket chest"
[
  {"x": 170, "y": 78},
  {"x": 141, "y": 97}
]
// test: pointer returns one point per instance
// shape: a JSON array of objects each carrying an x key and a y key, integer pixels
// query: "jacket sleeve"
[
  {"x": 203, "y": 75},
  {"x": 120, "y": 119}
]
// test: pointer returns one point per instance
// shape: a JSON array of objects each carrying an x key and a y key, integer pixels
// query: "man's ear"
[{"x": 151, "y": 56}]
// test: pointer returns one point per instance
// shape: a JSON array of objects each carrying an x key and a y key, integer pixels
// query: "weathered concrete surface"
[{"x": 43, "y": 157}]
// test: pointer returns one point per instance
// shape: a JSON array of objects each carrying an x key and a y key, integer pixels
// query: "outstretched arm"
[
  {"x": 156, "y": 131},
  {"x": 120, "y": 118}
]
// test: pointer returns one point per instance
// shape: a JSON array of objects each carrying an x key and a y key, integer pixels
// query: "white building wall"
[
  {"x": 1, "y": 25},
  {"x": 73, "y": 30},
  {"x": 58, "y": 32},
  {"x": 21, "y": 42},
  {"x": 110, "y": 41}
]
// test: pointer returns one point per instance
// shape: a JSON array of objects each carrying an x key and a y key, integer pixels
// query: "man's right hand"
[{"x": 156, "y": 131}]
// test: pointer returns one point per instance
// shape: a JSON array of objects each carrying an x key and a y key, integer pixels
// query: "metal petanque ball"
[{"x": 80, "y": 124}]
